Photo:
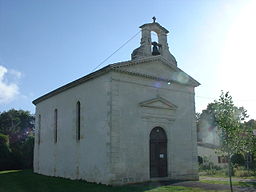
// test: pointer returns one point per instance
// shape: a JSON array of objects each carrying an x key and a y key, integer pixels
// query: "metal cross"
[{"x": 154, "y": 19}]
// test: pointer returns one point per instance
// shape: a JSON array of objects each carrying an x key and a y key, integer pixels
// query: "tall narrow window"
[
  {"x": 78, "y": 120},
  {"x": 55, "y": 125},
  {"x": 39, "y": 128}
]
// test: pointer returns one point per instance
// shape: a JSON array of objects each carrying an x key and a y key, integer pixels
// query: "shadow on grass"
[
  {"x": 26, "y": 180},
  {"x": 247, "y": 184}
]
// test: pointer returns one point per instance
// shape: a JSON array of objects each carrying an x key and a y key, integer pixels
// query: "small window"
[
  {"x": 55, "y": 125},
  {"x": 78, "y": 120},
  {"x": 222, "y": 159},
  {"x": 39, "y": 128}
]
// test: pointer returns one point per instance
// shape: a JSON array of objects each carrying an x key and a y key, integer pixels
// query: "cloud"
[
  {"x": 15, "y": 73},
  {"x": 8, "y": 90}
]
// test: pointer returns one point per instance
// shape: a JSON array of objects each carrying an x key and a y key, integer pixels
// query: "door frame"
[{"x": 158, "y": 137}]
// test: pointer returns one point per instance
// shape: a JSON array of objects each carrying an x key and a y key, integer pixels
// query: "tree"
[
  {"x": 17, "y": 124},
  {"x": 4, "y": 152},
  {"x": 250, "y": 145},
  {"x": 18, "y": 127},
  {"x": 229, "y": 120}
]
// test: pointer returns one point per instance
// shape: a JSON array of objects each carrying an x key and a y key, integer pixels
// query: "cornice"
[{"x": 118, "y": 67}]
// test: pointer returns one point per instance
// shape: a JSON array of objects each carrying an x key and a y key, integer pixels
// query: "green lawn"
[{"x": 25, "y": 180}]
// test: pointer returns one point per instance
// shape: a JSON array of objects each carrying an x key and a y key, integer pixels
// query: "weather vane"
[{"x": 154, "y": 19}]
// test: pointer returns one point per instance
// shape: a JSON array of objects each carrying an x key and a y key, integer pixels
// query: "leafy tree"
[
  {"x": 250, "y": 143},
  {"x": 17, "y": 124},
  {"x": 229, "y": 120},
  {"x": 4, "y": 152},
  {"x": 238, "y": 159},
  {"x": 18, "y": 127}
]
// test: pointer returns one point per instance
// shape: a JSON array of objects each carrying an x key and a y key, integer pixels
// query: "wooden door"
[{"x": 158, "y": 153}]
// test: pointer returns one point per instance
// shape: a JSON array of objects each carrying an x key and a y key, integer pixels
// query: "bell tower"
[{"x": 148, "y": 48}]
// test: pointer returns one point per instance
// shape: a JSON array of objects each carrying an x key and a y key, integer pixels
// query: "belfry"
[{"x": 149, "y": 48}]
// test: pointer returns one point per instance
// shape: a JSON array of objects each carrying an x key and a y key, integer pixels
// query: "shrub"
[
  {"x": 242, "y": 172},
  {"x": 238, "y": 159},
  {"x": 5, "y": 154}
]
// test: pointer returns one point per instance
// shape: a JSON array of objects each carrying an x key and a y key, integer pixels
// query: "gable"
[
  {"x": 152, "y": 68},
  {"x": 158, "y": 68},
  {"x": 159, "y": 103}
]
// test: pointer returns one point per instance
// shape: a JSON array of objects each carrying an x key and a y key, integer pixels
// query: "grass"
[
  {"x": 26, "y": 180},
  {"x": 235, "y": 183}
]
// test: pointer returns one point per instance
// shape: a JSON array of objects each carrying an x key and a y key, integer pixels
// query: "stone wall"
[
  {"x": 88, "y": 158},
  {"x": 132, "y": 124}
]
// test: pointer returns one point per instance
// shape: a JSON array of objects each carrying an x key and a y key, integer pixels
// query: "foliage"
[
  {"x": 5, "y": 152},
  {"x": 17, "y": 124},
  {"x": 240, "y": 171},
  {"x": 229, "y": 120},
  {"x": 200, "y": 160},
  {"x": 16, "y": 131},
  {"x": 250, "y": 145},
  {"x": 27, "y": 181},
  {"x": 238, "y": 159}
]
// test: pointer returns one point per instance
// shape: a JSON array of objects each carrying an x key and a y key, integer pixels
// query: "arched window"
[
  {"x": 55, "y": 125},
  {"x": 78, "y": 120},
  {"x": 154, "y": 36},
  {"x": 155, "y": 48},
  {"x": 39, "y": 128}
]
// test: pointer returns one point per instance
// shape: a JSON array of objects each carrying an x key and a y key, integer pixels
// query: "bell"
[{"x": 155, "y": 49}]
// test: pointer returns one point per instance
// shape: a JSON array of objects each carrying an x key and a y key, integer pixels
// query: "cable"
[
  {"x": 116, "y": 50},
  {"x": 211, "y": 98}
]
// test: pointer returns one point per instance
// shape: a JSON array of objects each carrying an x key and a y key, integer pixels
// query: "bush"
[
  {"x": 4, "y": 140},
  {"x": 17, "y": 156},
  {"x": 200, "y": 160},
  {"x": 242, "y": 172},
  {"x": 238, "y": 160},
  {"x": 5, "y": 153}
]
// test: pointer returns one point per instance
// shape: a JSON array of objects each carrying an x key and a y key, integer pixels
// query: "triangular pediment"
[
  {"x": 158, "y": 68},
  {"x": 159, "y": 103}
]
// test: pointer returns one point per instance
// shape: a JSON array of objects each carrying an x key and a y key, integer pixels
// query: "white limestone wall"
[
  {"x": 88, "y": 158},
  {"x": 130, "y": 134},
  {"x": 210, "y": 154}
]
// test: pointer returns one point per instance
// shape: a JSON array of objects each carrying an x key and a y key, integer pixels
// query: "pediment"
[
  {"x": 156, "y": 67},
  {"x": 159, "y": 103}
]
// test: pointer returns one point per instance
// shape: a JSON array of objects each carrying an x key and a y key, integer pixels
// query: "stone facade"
[{"x": 120, "y": 105}]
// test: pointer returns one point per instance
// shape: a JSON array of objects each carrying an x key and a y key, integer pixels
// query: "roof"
[
  {"x": 207, "y": 145},
  {"x": 118, "y": 68}
]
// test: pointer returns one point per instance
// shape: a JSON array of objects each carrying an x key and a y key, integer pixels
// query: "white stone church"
[{"x": 128, "y": 122}]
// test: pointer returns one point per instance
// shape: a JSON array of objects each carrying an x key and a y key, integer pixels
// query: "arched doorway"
[{"x": 158, "y": 153}]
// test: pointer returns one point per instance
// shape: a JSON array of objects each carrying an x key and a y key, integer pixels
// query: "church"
[{"x": 128, "y": 122}]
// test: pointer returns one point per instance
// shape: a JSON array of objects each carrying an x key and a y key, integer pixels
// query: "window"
[
  {"x": 78, "y": 120},
  {"x": 39, "y": 128},
  {"x": 55, "y": 125},
  {"x": 222, "y": 159}
]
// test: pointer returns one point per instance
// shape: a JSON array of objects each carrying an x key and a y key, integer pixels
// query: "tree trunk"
[{"x": 229, "y": 172}]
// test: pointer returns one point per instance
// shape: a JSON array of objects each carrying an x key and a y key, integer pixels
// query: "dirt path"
[
  {"x": 208, "y": 186},
  {"x": 225, "y": 179}
]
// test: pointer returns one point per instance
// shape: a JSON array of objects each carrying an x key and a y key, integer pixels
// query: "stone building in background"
[
  {"x": 208, "y": 141},
  {"x": 128, "y": 122}
]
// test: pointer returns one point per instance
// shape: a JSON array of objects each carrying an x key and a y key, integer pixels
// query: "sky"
[{"x": 45, "y": 44}]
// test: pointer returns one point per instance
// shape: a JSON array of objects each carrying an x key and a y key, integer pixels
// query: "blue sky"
[{"x": 45, "y": 44}]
